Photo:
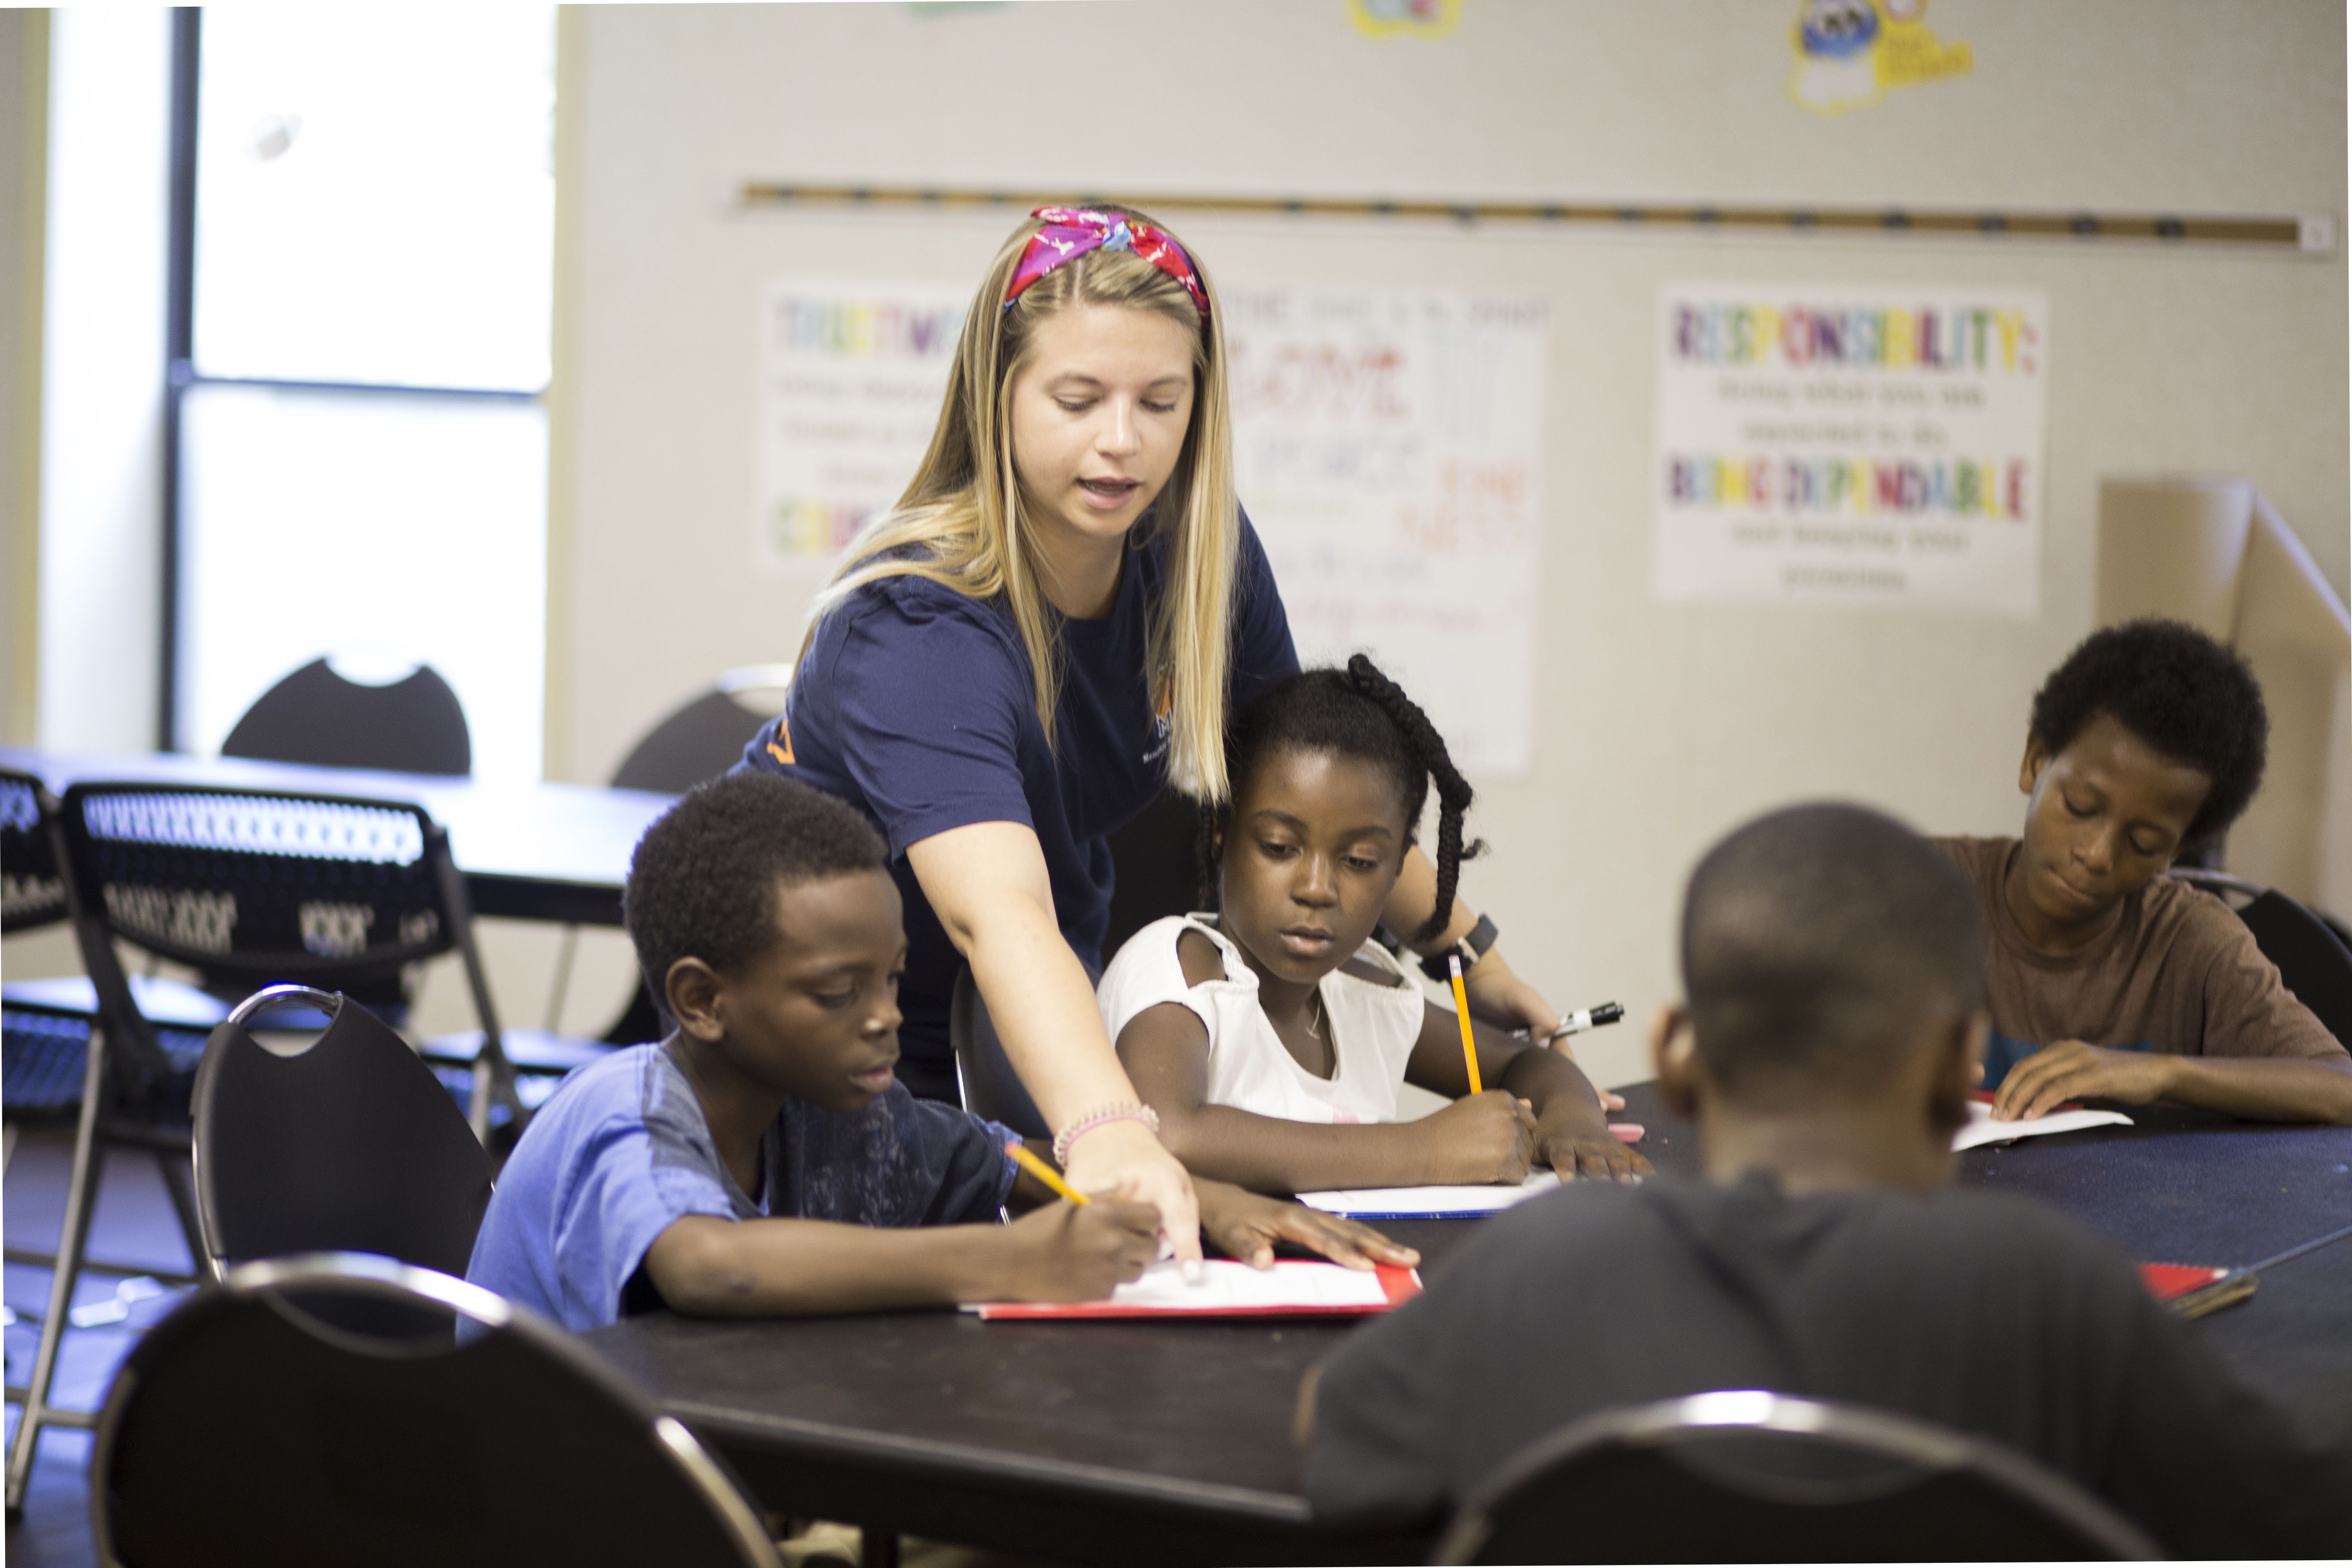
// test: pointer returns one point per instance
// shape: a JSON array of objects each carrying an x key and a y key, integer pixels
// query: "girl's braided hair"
[{"x": 1354, "y": 712}]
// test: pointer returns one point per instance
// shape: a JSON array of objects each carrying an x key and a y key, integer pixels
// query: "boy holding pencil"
[{"x": 762, "y": 1159}]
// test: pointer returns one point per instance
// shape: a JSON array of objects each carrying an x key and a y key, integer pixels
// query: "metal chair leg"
[
  {"x": 179, "y": 1181},
  {"x": 82, "y": 1203}
]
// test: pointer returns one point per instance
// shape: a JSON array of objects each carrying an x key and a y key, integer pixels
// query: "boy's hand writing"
[
  {"x": 1480, "y": 1138},
  {"x": 1248, "y": 1224},
  {"x": 1077, "y": 1252},
  {"x": 2071, "y": 1069}
]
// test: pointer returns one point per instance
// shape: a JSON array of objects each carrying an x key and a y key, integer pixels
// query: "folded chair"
[
  {"x": 256, "y": 1425},
  {"x": 1745, "y": 1476}
]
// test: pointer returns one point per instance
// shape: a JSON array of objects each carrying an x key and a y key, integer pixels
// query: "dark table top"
[
  {"x": 529, "y": 851},
  {"x": 1142, "y": 1442}
]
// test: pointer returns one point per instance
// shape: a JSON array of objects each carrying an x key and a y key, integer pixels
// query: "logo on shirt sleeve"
[{"x": 780, "y": 744}]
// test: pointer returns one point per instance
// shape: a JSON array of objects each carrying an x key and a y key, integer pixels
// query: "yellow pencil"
[
  {"x": 1047, "y": 1174},
  {"x": 1462, "y": 1015}
]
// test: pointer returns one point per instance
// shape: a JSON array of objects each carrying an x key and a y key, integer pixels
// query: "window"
[{"x": 362, "y": 276}]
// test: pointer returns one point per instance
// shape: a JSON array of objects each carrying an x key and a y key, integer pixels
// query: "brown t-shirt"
[{"x": 2177, "y": 971}]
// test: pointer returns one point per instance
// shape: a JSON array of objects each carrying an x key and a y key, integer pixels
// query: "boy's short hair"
[
  {"x": 2179, "y": 690},
  {"x": 702, "y": 883},
  {"x": 1818, "y": 945}
]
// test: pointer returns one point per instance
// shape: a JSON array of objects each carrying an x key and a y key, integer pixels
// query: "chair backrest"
[
  {"x": 243, "y": 1429},
  {"x": 32, "y": 891},
  {"x": 2312, "y": 960},
  {"x": 414, "y": 725},
  {"x": 349, "y": 1145},
  {"x": 985, "y": 1079},
  {"x": 1156, "y": 866},
  {"x": 257, "y": 887},
  {"x": 706, "y": 736},
  {"x": 1749, "y": 1477}
]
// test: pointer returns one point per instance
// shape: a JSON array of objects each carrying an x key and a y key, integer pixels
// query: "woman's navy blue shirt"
[{"x": 915, "y": 704}]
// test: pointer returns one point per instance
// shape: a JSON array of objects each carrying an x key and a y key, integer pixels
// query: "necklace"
[{"x": 1314, "y": 1007}]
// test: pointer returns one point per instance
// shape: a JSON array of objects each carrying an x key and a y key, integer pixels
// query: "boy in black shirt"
[{"x": 1833, "y": 962}]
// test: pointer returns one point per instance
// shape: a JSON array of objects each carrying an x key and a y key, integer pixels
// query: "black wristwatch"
[{"x": 1470, "y": 949}]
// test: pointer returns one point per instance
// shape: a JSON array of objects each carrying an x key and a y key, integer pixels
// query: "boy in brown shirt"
[{"x": 2103, "y": 976}]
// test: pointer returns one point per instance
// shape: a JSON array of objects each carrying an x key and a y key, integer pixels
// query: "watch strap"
[{"x": 1472, "y": 946}]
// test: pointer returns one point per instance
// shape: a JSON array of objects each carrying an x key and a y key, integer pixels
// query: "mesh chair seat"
[{"x": 45, "y": 1056}]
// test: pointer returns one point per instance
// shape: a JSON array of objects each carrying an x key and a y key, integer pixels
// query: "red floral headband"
[{"x": 1071, "y": 232}]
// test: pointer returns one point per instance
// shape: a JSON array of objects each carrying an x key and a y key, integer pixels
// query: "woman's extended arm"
[{"x": 987, "y": 883}]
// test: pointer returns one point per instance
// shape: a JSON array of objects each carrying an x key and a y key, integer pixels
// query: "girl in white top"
[{"x": 1270, "y": 1039}]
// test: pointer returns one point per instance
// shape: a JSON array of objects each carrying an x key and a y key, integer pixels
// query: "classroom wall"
[
  {"x": 23, "y": 150},
  {"x": 1659, "y": 726}
]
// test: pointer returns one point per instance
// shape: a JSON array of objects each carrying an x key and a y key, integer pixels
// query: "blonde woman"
[{"x": 1051, "y": 623}]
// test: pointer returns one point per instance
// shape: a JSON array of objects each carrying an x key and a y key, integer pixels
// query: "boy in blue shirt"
[{"x": 763, "y": 1159}]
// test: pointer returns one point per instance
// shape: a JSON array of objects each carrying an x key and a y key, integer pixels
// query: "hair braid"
[{"x": 1454, "y": 791}]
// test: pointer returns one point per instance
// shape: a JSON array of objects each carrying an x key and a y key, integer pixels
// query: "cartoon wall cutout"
[{"x": 1849, "y": 52}]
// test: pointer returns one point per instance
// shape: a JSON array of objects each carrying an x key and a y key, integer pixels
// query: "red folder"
[{"x": 2194, "y": 1290}]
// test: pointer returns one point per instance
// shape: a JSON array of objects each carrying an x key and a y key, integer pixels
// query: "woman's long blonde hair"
[{"x": 963, "y": 517}]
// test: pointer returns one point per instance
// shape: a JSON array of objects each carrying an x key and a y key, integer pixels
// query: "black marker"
[{"x": 1591, "y": 1018}]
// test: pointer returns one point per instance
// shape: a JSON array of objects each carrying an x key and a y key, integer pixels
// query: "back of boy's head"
[
  {"x": 1821, "y": 945},
  {"x": 2184, "y": 695},
  {"x": 1356, "y": 712},
  {"x": 703, "y": 881}
]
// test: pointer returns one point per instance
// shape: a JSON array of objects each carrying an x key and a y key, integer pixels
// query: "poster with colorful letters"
[
  {"x": 1819, "y": 444},
  {"x": 851, "y": 377},
  {"x": 1389, "y": 448}
]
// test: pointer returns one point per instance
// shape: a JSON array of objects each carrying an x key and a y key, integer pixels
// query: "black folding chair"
[
  {"x": 693, "y": 744},
  {"x": 54, "y": 1070},
  {"x": 347, "y": 1144},
  {"x": 45, "y": 1023},
  {"x": 986, "y": 1082},
  {"x": 1749, "y": 1477},
  {"x": 415, "y": 725},
  {"x": 257, "y": 887},
  {"x": 254, "y": 1426},
  {"x": 2312, "y": 958}
]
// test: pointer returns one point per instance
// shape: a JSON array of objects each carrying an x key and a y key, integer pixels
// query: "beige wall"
[
  {"x": 24, "y": 162},
  {"x": 1659, "y": 726}
]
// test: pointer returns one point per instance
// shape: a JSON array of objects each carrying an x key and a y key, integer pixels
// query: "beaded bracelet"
[{"x": 1124, "y": 1111}]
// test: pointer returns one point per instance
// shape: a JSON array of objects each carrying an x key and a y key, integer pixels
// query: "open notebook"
[
  {"x": 2068, "y": 1117},
  {"x": 1227, "y": 1290},
  {"x": 1427, "y": 1203}
]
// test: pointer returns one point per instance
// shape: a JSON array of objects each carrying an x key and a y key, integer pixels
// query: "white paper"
[
  {"x": 1388, "y": 445},
  {"x": 1225, "y": 1286},
  {"x": 1982, "y": 1129},
  {"x": 1831, "y": 444},
  {"x": 1427, "y": 1203}
]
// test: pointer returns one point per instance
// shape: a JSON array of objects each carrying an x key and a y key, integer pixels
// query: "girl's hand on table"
[
  {"x": 1507, "y": 1002},
  {"x": 1123, "y": 1160},
  {"x": 1592, "y": 1153},
  {"x": 1246, "y": 1225}
]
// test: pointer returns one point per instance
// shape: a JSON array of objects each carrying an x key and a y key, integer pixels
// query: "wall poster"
[
  {"x": 1389, "y": 450},
  {"x": 851, "y": 376},
  {"x": 1834, "y": 444}
]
